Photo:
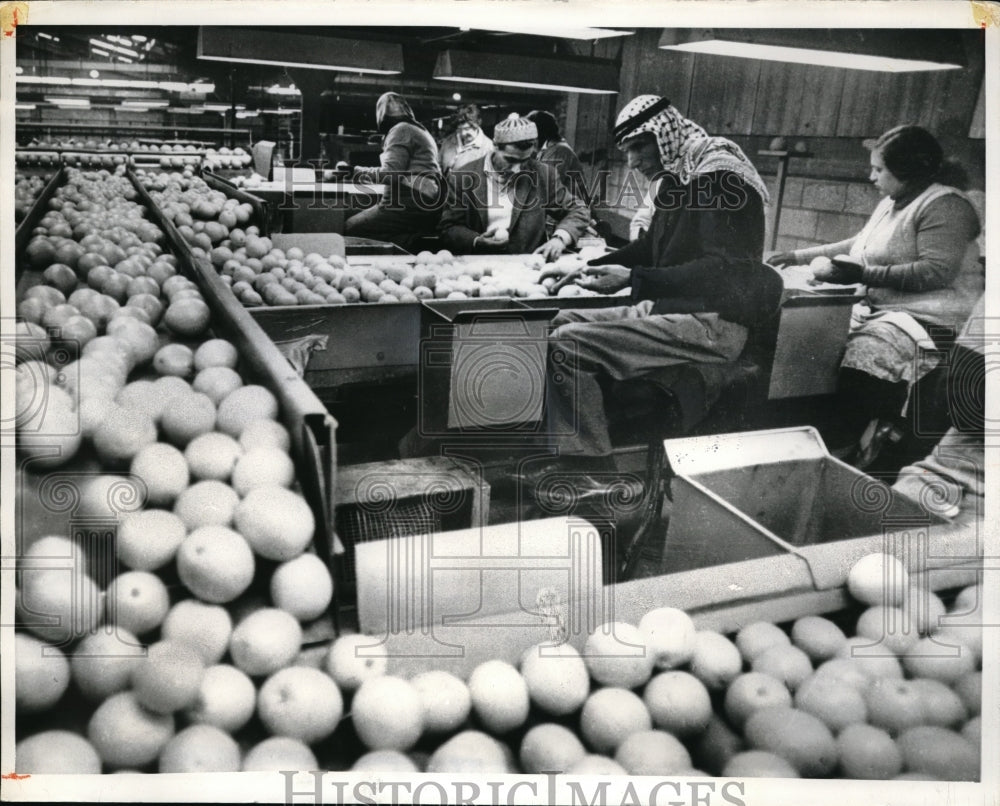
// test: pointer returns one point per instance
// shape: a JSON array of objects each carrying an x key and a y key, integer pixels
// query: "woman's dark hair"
[
  {"x": 468, "y": 114},
  {"x": 913, "y": 154},
  {"x": 545, "y": 122}
]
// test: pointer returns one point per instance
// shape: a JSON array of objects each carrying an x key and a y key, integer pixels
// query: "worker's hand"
[
  {"x": 552, "y": 270},
  {"x": 551, "y": 249},
  {"x": 605, "y": 279},
  {"x": 782, "y": 259},
  {"x": 848, "y": 269},
  {"x": 491, "y": 240}
]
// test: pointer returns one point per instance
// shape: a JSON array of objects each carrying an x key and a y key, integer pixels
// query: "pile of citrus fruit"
[{"x": 26, "y": 190}]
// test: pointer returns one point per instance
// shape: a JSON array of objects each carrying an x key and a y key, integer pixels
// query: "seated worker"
[
  {"x": 499, "y": 204},
  {"x": 693, "y": 276},
  {"x": 555, "y": 151},
  {"x": 467, "y": 140},
  {"x": 411, "y": 173},
  {"x": 919, "y": 260}
]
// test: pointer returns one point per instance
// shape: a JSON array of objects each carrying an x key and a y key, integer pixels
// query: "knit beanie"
[{"x": 514, "y": 129}]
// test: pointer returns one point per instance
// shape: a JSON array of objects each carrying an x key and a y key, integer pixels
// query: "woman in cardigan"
[
  {"x": 919, "y": 259},
  {"x": 410, "y": 204},
  {"x": 697, "y": 282}
]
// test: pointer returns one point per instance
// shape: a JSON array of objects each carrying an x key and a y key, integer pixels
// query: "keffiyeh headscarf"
[
  {"x": 685, "y": 147},
  {"x": 392, "y": 108}
]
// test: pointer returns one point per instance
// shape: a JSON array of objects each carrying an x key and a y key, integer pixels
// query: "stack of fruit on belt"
[
  {"x": 26, "y": 190},
  {"x": 37, "y": 157},
  {"x": 657, "y": 698},
  {"x": 229, "y": 158},
  {"x": 141, "y": 632}
]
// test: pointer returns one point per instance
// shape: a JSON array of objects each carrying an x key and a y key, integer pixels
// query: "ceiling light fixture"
[
  {"x": 100, "y": 43},
  {"x": 67, "y": 101},
  {"x": 146, "y": 102},
  {"x": 24, "y": 107},
  {"x": 289, "y": 49},
  {"x": 895, "y": 51},
  {"x": 559, "y": 31},
  {"x": 202, "y": 86},
  {"x": 589, "y": 76},
  {"x": 63, "y": 81}
]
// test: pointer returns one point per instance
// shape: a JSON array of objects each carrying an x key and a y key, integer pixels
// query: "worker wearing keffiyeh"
[{"x": 698, "y": 284}]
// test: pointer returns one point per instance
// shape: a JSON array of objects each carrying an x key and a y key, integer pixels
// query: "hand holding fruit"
[
  {"x": 841, "y": 269},
  {"x": 605, "y": 279},
  {"x": 492, "y": 238}
]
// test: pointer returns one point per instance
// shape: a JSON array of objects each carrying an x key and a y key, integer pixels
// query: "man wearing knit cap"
[{"x": 500, "y": 203}]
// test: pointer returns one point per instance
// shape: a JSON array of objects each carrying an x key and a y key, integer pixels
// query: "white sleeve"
[{"x": 643, "y": 214}]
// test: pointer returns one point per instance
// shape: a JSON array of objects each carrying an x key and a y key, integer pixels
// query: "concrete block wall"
[{"x": 819, "y": 211}]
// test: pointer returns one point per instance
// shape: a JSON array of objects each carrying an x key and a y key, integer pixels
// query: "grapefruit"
[
  {"x": 894, "y": 705},
  {"x": 103, "y": 662},
  {"x": 716, "y": 661},
  {"x": 678, "y": 702},
  {"x": 201, "y": 748},
  {"x": 302, "y": 587},
  {"x": 878, "y": 579},
  {"x": 499, "y": 695},
  {"x": 470, "y": 753},
  {"x": 205, "y": 628},
  {"x": 215, "y": 564},
  {"x": 187, "y": 417},
  {"x": 549, "y": 748},
  {"x": 212, "y": 456},
  {"x": 41, "y": 674},
  {"x": 669, "y": 634},
  {"x": 149, "y": 539},
  {"x": 277, "y": 523},
  {"x": 818, "y": 637},
  {"x": 759, "y": 764},
  {"x": 610, "y": 715},
  {"x": 168, "y": 678},
  {"x": 754, "y": 638},
  {"x": 207, "y": 503},
  {"x": 794, "y": 735},
  {"x": 279, "y": 753},
  {"x": 127, "y": 735},
  {"x": 243, "y": 406},
  {"x": 785, "y": 662},
  {"x": 381, "y": 762},
  {"x": 226, "y": 699},
  {"x": 556, "y": 676},
  {"x": 262, "y": 467},
  {"x": 56, "y": 752},
  {"x": 265, "y": 641},
  {"x": 652, "y": 752},
  {"x": 868, "y": 753},
  {"x": 353, "y": 659},
  {"x": 752, "y": 691},
  {"x": 615, "y": 654},
  {"x": 444, "y": 699},
  {"x": 835, "y": 702},
  {"x": 942, "y": 753},
  {"x": 137, "y": 601},
  {"x": 164, "y": 471}
]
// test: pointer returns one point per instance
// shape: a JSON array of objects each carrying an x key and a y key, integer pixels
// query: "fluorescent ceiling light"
[
  {"x": 561, "y": 31},
  {"x": 67, "y": 101},
  {"x": 173, "y": 86},
  {"x": 100, "y": 52},
  {"x": 291, "y": 49},
  {"x": 24, "y": 107},
  {"x": 247, "y": 113},
  {"x": 776, "y": 53},
  {"x": 589, "y": 76},
  {"x": 885, "y": 50},
  {"x": 44, "y": 35},
  {"x": 129, "y": 83},
  {"x": 99, "y": 43},
  {"x": 146, "y": 103},
  {"x": 275, "y": 89},
  {"x": 202, "y": 86},
  {"x": 134, "y": 108},
  {"x": 138, "y": 38},
  {"x": 86, "y": 82},
  {"x": 279, "y": 111},
  {"x": 62, "y": 81}
]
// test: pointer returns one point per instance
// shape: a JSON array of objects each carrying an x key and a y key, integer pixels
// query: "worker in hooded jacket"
[{"x": 410, "y": 205}]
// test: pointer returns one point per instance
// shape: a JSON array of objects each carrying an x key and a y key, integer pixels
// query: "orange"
[
  {"x": 556, "y": 676},
  {"x": 174, "y": 360},
  {"x": 149, "y": 539},
  {"x": 217, "y": 383},
  {"x": 302, "y": 587},
  {"x": 716, "y": 661},
  {"x": 610, "y": 715},
  {"x": 265, "y": 434},
  {"x": 168, "y": 678},
  {"x": 716, "y": 745},
  {"x": 227, "y": 699},
  {"x": 277, "y": 523},
  {"x": 868, "y": 753},
  {"x": 652, "y": 752},
  {"x": 127, "y": 735},
  {"x": 754, "y": 638},
  {"x": 678, "y": 702},
  {"x": 616, "y": 655},
  {"x": 444, "y": 698},
  {"x": 302, "y": 703},
  {"x": 752, "y": 691},
  {"x": 499, "y": 695},
  {"x": 888, "y": 626},
  {"x": 878, "y": 579},
  {"x": 109, "y": 496},
  {"x": 894, "y": 705},
  {"x": 215, "y": 564},
  {"x": 818, "y": 637},
  {"x": 387, "y": 713},
  {"x": 164, "y": 471},
  {"x": 103, "y": 662},
  {"x": 759, "y": 764},
  {"x": 550, "y": 748},
  {"x": 381, "y": 762},
  {"x": 787, "y": 663},
  {"x": 936, "y": 659},
  {"x": 470, "y": 752},
  {"x": 593, "y": 764},
  {"x": 215, "y": 353},
  {"x": 206, "y": 628},
  {"x": 669, "y": 634},
  {"x": 212, "y": 456},
  {"x": 207, "y": 503},
  {"x": 137, "y": 601},
  {"x": 942, "y": 705},
  {"x": 279, "y": 753},
  {"x": 56, "y": 752},
  {"x": 794, "y": 735},
  {"x": 938, "y": 752},
  {"x": 243, "y": 406},
  {"x": 353, "y": 659},
  {"x": 201, "y": 748},
  {"x": 188, "y": 417},
  {"x": 140, "y": 338},
  {"x": 262, "y": 467},
  {"x": 970, "y": 688},
  {"x": 872, "y": 658},
  {"x": 832, "y": 700},
  {"x": 265, "y": 641},
  {"x": 40, "y": 679},
  {"x": 189, "y": 318},
  {"x": 124, "y": 432}
]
